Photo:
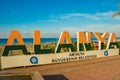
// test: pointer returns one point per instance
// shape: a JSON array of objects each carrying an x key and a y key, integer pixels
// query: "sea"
[{"x": 43, "y": 40}]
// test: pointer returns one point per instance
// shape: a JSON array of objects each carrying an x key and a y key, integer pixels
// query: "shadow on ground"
[
  {"x": 15, "y": 78},
  {"x": 55, "y": 77}
]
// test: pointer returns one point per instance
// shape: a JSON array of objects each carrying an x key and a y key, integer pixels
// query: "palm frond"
[{"x": 115, "y": 14}]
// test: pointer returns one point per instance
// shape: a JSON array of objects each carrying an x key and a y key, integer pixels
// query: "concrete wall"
[{"x": 28, "y": 60}]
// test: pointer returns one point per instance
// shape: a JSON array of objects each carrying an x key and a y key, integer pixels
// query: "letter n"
[{"x": 83, "y": 41}]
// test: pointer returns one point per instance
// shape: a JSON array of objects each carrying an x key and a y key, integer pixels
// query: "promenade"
[{"x": 96, "y": 69}]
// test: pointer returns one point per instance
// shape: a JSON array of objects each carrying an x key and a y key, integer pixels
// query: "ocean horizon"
[{"x": 43, "y": 40}]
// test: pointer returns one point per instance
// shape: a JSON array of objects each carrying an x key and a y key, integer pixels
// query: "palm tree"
[{"x": 117, "y": 13}]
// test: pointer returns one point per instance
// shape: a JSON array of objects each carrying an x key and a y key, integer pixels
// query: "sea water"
[{"x": 43, "y": 40}]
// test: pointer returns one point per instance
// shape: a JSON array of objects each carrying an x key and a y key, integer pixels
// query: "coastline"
[{"x": 3, "y": 41}]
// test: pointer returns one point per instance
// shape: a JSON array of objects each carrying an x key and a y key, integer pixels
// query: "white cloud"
[
  {"x": 106, "y": 14},
  {"x": 4, "y": 34},
  {"x": 95, "y": 28},
  {"x": 23, "y": 26},
  {"x": 52, "y": 20},
  {"x": 103, "y": 28},
  {"x": 95, "y": 16},
  {"x": 70, "y": 29},
  {"x": 75, "y": 15},
  {"x": 117, "y": 18}
]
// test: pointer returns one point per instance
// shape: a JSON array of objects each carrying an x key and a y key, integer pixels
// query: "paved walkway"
[{"x": 98, "y": 69}]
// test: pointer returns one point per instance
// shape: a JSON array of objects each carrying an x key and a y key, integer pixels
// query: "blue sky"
[{"x": 52, "y": 17}]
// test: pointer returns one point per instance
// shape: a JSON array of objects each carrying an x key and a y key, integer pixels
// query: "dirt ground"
[{"x": 97, "y": 69}]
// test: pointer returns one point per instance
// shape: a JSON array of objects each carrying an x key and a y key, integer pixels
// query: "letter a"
[{"x": 9, "y": 46}]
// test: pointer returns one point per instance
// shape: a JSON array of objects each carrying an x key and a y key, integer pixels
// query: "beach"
[
  {"x": 84, "y": 69},
  {"x": 59, "y": 40}
]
